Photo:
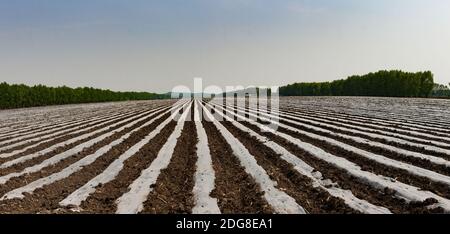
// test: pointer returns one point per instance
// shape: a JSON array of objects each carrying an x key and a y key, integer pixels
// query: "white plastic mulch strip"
[
  {"x": 405, "y": 191},
  {"x": 66, "y": 172},
  {"x": 132, "y": 201},
  {"x": 78, "y": 148},
  {"x": 382, "y": 128},
  {"x": 433, "y": 159},
  {"x": 81, "y": 194},
  {"x": 306, "y": 170},
  {"x": 373, "y": 135},
  {"x": 46, "y": 139},
  {"x": 278, "y": 200},
  {"x": 61, "y": 156},
  {"x": 204, "y": 174},
  {"x": 51, "y": 127}
]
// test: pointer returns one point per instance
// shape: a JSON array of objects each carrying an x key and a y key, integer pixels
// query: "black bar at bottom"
[{"x": 223, "y": 223}]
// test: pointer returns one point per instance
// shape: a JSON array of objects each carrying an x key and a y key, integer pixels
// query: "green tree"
[
  {"x": 382, "y": 83},
  {"x": 16, "y": 96}
]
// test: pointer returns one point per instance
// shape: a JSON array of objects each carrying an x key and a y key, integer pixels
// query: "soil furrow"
[
  {"x": 375, "y": 139},
  {"x": 84, "y": 124},
  {"x": 378, "y": 168},
  {"x": 235, "y": 190},
  {"x": 61, "y": 128},
  {"x": 47, "y": 198},
  {"x": 419, "y": 162},
  {"x": 438, "y": 153},
  {"x": 300, "y": 187},
  {"x": 36, "y": 160},
  {"x": 370, "y": 165},
  {"x": 104, "y": 198},
  {"x": 172, "y": 193},
  {"x": 374, "y": 129},
  {"x": 45, "y": 138},
  {"x": 361, "y": 190},
  {"x": 362, "y": 120}
]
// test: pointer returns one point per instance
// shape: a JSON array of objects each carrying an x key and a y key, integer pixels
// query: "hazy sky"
[{"x": 154, "y": 45}]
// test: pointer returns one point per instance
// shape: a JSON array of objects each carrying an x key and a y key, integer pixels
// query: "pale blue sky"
[{"x": 154, "y": 45}]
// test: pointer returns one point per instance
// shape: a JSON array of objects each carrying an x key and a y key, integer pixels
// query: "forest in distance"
[
  {"x": 393, "y": 83},
  {"x": 20, "y": 96}
]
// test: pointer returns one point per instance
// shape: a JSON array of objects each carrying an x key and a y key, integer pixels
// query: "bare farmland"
[{"x": 328, "y": 155}]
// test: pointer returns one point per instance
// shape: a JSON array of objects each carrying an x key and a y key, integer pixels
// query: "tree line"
[
  {"x": 441, "y": 91},
  {"x": 18, "y": 96},
  {"x": 379, "y": 84}
]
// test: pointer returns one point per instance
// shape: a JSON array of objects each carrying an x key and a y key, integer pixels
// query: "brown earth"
[
  {"x": 172, "y": 193},
  {"x": 235, "y": 190}
]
